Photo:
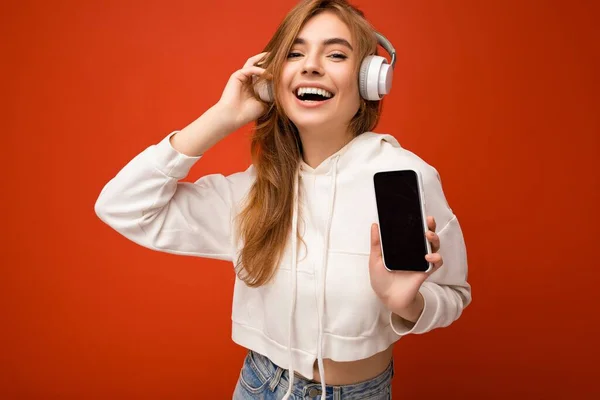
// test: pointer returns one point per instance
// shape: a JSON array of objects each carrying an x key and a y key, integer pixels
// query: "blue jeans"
[{"x": 261, "y": 379}]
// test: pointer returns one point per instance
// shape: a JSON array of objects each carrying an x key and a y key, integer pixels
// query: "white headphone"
[{"x": 374, "y": 78}]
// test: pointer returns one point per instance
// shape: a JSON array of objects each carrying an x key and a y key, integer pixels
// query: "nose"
[{"x": 312, "y": 65}]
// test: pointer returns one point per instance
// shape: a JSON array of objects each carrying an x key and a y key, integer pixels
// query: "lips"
[{"x": 309, "y": 93}]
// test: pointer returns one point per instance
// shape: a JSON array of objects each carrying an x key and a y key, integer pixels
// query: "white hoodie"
[{"x": 320, "y": 303}]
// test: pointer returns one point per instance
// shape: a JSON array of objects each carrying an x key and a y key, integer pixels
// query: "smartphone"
[{"x": 402, "y": 222}]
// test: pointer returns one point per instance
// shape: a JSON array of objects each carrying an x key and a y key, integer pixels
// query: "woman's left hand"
[{"x": 399, "y": 289}]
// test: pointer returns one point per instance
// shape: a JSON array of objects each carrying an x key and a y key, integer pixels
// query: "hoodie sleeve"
[
  {"x": 446, "y": 291},
  {"x": 146, "y": 203}
]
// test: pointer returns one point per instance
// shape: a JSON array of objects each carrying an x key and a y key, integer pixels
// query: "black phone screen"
[{"x": 400, "y": 220}]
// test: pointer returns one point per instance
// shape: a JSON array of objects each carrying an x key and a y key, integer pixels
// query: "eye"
[
  {"x": 339, "y": 56},
  {"x": 294, "y": 54}
]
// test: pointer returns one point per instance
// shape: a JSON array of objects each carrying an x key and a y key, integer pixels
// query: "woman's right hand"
[{"x": 237, "y": 101}]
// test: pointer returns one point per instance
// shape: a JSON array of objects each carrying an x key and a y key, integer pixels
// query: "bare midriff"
[{"x": 351, "y": 372}]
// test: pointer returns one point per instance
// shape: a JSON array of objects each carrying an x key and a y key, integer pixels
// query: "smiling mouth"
[{"x": 313, "y": 94}]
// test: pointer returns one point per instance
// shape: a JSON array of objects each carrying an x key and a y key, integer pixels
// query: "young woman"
[{"x": 313, "y": 301}]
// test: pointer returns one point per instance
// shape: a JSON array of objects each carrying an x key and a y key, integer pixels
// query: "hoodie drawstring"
[
  {"x": 324, "y": 276},
  {"x": 294, "y": 286},
  {"x": 321, "y": 310}
]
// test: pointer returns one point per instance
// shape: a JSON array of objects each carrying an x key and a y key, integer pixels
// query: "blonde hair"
[{"x": 276, "y": 149}]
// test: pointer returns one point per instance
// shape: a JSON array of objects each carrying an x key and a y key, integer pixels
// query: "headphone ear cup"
[
  {"x": 375, "y": 78},
  {"x": 264, "y": 90},
  {"x": 362, "y": 77}
]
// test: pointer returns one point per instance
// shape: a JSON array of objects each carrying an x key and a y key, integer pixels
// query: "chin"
[
  {"x": 306, "y": 118},
  {"x": 310, "y": 122}
]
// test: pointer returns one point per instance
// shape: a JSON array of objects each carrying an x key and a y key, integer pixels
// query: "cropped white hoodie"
[{"x": 320, "y": 303}]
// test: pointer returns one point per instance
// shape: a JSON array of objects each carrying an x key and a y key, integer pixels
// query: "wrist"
[
  {"x": 413, "y": 311},
  {"x": 225, "y": 118}
]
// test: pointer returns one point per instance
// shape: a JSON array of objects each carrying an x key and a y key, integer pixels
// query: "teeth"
[{"x": 322, "y": 92}]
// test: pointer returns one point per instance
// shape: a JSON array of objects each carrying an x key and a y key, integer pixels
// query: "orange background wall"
[{"x": 501, "y": 96}]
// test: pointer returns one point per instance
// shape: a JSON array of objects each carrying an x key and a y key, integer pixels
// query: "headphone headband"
[{"x": 387, "y": 45}]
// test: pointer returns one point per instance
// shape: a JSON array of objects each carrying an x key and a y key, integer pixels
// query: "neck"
[{"x": 318, "y": 145}]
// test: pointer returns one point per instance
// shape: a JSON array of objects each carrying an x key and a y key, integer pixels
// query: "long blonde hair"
[{"x": 265, "y": 222}]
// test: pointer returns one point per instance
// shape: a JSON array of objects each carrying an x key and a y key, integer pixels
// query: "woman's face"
[{"x": 319, "y": 84}]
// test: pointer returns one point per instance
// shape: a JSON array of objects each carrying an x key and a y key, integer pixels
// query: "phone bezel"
[{"x": 423, "y": 217}]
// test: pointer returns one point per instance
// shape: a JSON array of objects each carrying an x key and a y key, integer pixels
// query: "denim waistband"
[{"x": 303, "y": 386}]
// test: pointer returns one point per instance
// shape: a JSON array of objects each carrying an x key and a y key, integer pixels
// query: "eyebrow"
[{"x": 328, "y": 42}]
